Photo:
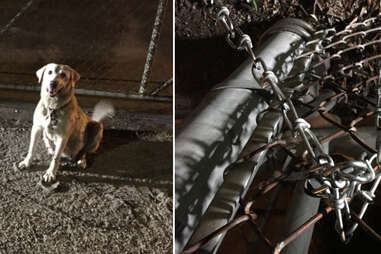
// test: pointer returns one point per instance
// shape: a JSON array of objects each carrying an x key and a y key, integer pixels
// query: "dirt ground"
[
  {"x": 195, "y": 20},
  {"x": 121, "y": 204}
]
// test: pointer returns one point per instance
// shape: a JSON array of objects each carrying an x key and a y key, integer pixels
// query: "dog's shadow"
[{"x": 122, "y": 159}]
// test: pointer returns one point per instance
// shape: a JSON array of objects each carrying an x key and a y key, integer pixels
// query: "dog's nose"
[{"x": 53, "y": 84}]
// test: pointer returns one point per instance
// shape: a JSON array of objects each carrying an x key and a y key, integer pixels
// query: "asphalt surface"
[{"x": 122, "y": 203}]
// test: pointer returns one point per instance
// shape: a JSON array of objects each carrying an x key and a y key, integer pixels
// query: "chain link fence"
[{"x": 110, "y": 43}]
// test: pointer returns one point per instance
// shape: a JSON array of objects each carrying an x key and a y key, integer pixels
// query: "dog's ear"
[
  {"x": 74, "y": 75},
  {"x": 40, "y": 73}
]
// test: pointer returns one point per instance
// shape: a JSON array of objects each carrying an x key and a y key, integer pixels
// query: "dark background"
[{"x": 105, "y": 41}]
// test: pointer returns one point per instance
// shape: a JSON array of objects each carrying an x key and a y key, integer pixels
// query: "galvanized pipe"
[
  {"x": 215, "y": 134},
  {"x": 301, "y": 209},
  {"x": 237, "y": 181}
]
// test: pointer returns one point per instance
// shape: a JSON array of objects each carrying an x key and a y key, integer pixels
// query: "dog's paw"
[
  {"x": 49, "y": 176},
  {"x": 25, "y": 164}
]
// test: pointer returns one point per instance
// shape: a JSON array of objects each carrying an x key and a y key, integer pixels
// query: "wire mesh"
[
  {"x": 355, "y": 60},
  {"x": 105, "y": 41}
]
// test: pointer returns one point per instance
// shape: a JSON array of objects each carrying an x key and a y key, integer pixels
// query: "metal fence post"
[{"x": 152, "y": 45}]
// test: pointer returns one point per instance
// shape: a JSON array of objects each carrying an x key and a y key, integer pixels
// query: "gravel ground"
[{"x": 121, "y": 204}]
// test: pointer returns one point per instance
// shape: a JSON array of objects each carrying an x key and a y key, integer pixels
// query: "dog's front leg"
[
  {"x": 35, "y": 134},
  {"x": 51, "y": 173}
]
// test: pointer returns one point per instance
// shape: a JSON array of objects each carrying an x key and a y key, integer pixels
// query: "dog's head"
[{"x": 56, "y": 78}]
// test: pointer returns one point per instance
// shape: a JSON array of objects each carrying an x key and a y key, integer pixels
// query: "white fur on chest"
[{"x": 53, "y": 123}]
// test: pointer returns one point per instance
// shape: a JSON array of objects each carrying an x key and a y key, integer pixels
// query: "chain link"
[
  {"x": 346, "y": 38},
  {"x": 340, "y": 183},
  {"x": 235, "y": 37},
  {"x": 337, "y": 182},
  {"x": 378, "y": 105}
]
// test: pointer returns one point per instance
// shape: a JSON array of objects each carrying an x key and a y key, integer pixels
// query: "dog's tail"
[{"x": 101, "y": 110}]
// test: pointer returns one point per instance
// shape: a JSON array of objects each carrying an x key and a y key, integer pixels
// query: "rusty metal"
[
  {"x": 366, "y": 227},
  {"x": 359, "y": 64},
  {"x": 219, "y": 231},
  {"x": 331, "y": 137},
  {"x": 216, "y": 134},
  {"x": 350, "y": 130},
  {"x": 261, "y": 235},
  {"x": 280, "y": 245},
  {"x": 344, "y": 81},
  {"x": 269, "y": 184}
]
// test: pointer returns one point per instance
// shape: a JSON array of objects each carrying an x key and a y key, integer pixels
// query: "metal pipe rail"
[
  {"x": 152, "y": 45},
  {"x": 216, "y": 133},
  {"x": 223, "y": 213},
  {"x": 236, "y": 183},
  {"x": 93, "y": 93}
]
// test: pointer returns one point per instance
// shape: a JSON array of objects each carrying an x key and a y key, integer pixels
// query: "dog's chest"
[{"x": 54, "y": 122}]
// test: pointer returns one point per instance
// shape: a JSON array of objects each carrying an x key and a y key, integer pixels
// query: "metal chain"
[
  {"x": 338, "y": 183},
  {"x": 341, "y": 182},
  {"x": 298, "y": 125},
  {"x": 235, "y": 37}
]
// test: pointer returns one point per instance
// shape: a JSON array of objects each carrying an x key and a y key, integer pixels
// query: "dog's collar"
[
  {"x": 60, "y": 107},
  {"x": 52, "y": 112},
  {"x": 53, "y": 117}
]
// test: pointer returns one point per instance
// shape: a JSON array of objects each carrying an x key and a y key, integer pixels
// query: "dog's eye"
[
  {"x": 50, "y": 72},
  {"x": 63, "y": 75}
]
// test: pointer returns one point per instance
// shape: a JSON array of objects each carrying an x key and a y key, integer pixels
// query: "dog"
[{"x": 67, "y": 130}]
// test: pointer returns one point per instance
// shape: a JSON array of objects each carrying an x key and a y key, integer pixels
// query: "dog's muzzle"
[{"x": 52, "y": 89}]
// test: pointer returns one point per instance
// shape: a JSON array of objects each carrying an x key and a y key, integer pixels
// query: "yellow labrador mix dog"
[{"x": 67, "y": 130}]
